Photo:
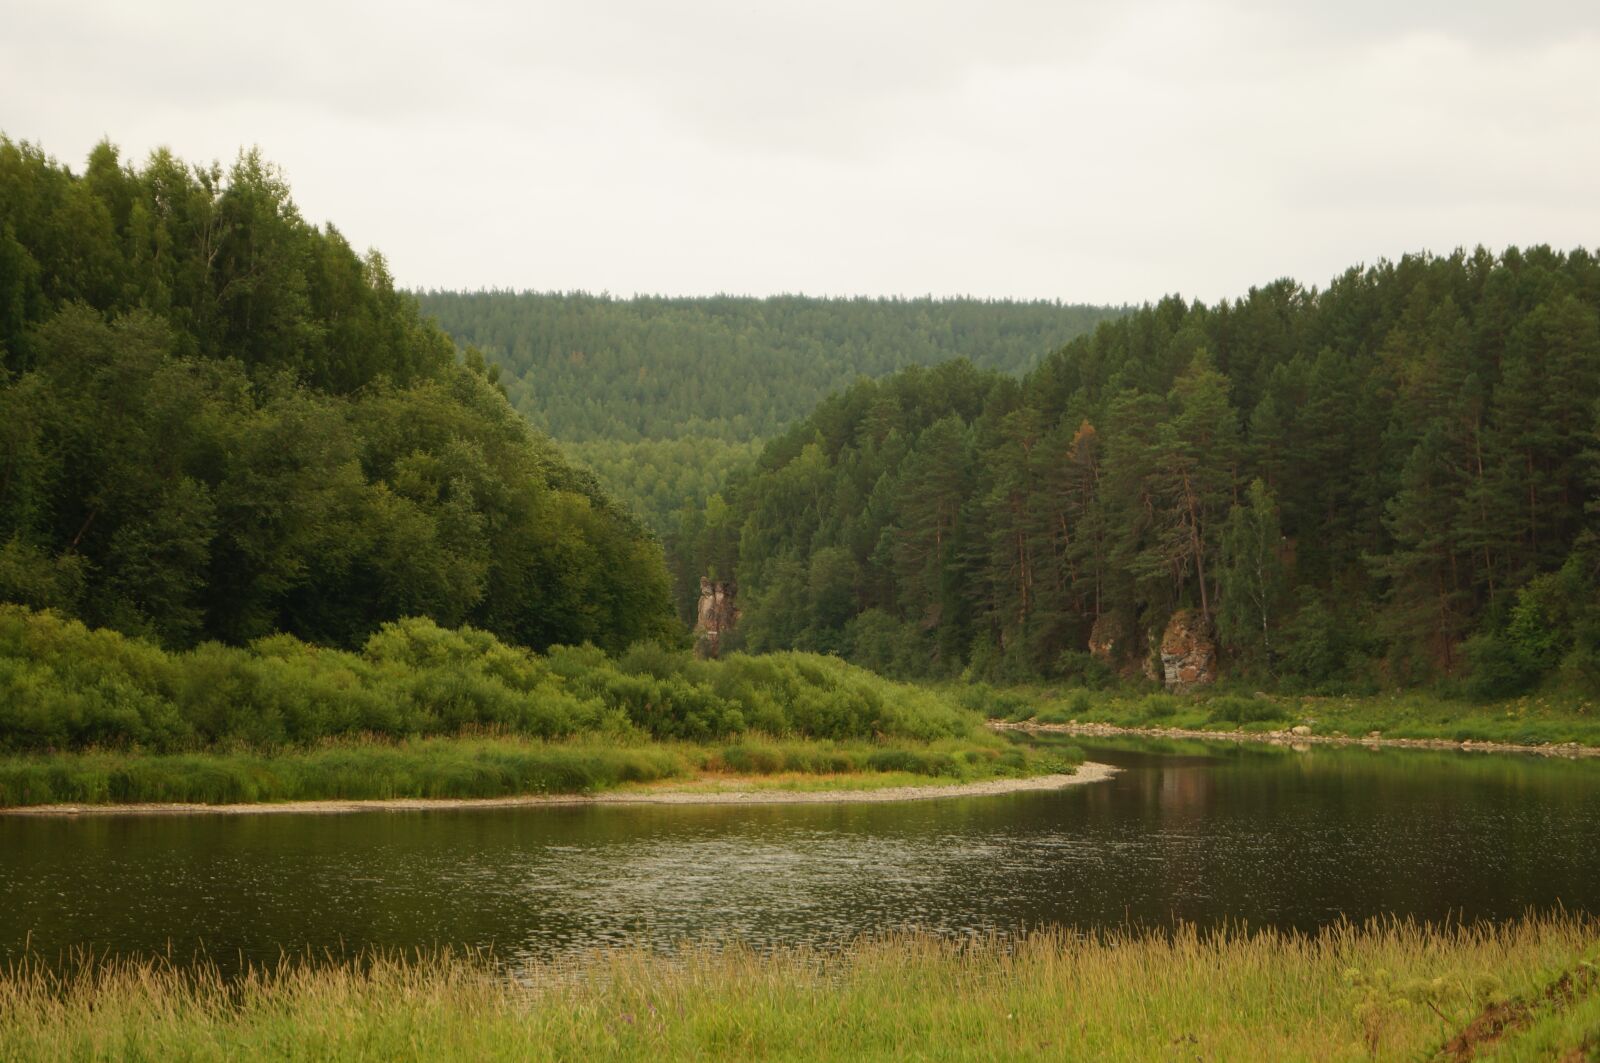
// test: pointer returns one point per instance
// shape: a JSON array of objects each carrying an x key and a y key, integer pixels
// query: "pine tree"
[
  {"x": 929, "y": 547},
  {"x": 1252, "y": 580},
  {"x": 1192, "y": 463},
  {"x": 1425, "y": 600}
]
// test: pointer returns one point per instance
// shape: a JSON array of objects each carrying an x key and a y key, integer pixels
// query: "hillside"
[
  {"x": 665, "y": 397},
  {"x": 1390, "y": 480},
  {"x": 593, "y": 367},
  {"x": 218, "y": 422}
]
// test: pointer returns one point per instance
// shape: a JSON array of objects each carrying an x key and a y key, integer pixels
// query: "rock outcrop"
[
  {"x": 1104, "y": 638},
  {"x": 1188, "y": 652},
  {"x": 717, "y": 617}
]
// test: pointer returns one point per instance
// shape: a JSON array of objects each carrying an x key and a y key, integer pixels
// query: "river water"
[{"x": 1201, "y": 833}]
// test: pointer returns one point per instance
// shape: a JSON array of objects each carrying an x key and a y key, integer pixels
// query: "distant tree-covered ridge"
[
  {"x": 593, "y": 367},
  {"x": 664, "y": 397},
  {"x": 1394, "y": 478},
  {"x": 217, "y": 421}
]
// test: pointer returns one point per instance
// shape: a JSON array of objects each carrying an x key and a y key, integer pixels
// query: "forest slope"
[
  {"x": 218, "y": 422},
  {"x": 664, "y": 397},
  {"x": 592, "y": 367},
  {"x": 1390, "y": 480}
]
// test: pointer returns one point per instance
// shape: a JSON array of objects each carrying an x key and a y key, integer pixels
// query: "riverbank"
[
  {"x": 94, "y": 717},
  {"x": 1394, "y": 990},
  {"x": 1560, "y": 724},
  {"x": 669, "y": 794},
  {"x": 1289, "y": 738},
  {"x": 507, "y": 768}
]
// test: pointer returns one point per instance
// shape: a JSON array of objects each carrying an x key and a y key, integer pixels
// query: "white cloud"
[{"x": 1081, "y": 151}]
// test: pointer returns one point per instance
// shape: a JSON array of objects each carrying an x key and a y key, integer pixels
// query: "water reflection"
[{"x": 1251, "y": 834}]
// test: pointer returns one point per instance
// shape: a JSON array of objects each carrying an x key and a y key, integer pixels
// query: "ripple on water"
[{"x": 1261, "y": 838}]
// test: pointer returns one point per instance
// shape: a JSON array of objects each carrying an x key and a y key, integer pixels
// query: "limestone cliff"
[
  {"x": 717, "y": 617},
  {"x": 1106, "y": 641},
  {"x": 1188, "y": 652}
]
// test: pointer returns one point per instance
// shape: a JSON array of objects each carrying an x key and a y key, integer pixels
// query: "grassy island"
[{"x": 95, "y": 717}]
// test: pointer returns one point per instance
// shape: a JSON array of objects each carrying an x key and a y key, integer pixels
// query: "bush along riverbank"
[
  {"x": 1526, "y": 990},
  {"x": 480, "y": 768},
  {"x": 1542, "y": 721},
  {"x": 96, "y": 717}
]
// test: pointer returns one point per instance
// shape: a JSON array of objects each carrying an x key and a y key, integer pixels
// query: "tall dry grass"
[{"x": 1384, "y": 990}]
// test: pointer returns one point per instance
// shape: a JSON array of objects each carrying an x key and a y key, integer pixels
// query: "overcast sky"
[{"x": 1091, "y": 152}]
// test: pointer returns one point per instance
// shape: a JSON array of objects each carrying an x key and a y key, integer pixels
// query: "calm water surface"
[{"x": 1198, "y": 833}]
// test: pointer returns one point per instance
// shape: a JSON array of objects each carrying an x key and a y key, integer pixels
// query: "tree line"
[
  {"x": 1390, "y": 480},
  {"x": 218, "y": 421},
  {"x": 662, "y": 397},
  {"x": 588, "y": 367}
]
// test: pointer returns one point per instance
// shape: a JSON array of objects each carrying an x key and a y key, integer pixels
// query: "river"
[{"x": 1205, "y": 833}]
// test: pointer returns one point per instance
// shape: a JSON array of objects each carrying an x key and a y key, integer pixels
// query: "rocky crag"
[
  {"x": 1188, "y": 652},
  {"x": 717, "y": 617}
]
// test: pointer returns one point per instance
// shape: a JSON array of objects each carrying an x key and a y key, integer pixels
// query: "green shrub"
[
  {"x": 1581, "y": 666},
  {"x": 1498, "y": 667},
  {"x": 1240, "y": 710},
  {"x": 1085, "y": 670},
  {"x": 1319, "y": 643},
  {"x": 994, "y": 704},
  {"x": 63, "y": 686},
  {"x": 1156, "y": 707},
  {"x": 653, "y": 659}
]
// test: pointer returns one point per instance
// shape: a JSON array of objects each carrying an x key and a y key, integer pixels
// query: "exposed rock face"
[
  {"x": 1104, "y": 638},
  {"x": 718, "y": 616},
  {"x": 1188, "y": 652}
]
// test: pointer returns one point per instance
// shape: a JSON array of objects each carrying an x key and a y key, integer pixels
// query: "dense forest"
[
  {"x": 664, "y": 397},
  {"x": 592, "y": 367},
  {"x": 1391, "y": 480},
  {"x": 665, "y": 481},
  {"x": 217, "y": 421}
]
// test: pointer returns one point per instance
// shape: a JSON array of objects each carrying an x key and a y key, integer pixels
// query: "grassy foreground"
[
  {"x": 1523, "y": 991},
  {"x": 1533, "y": 720}
]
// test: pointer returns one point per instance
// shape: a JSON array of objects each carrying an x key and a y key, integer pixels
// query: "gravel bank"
[{"x": 1086, "y": 773}]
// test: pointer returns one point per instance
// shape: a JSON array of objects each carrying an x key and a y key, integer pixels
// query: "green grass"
[
  {"x": 792, "y": 782},
  {"x": 1538, "y": 719},
  {"x": 1391, "y": 990},
  {"x": 501, "y": 766}
]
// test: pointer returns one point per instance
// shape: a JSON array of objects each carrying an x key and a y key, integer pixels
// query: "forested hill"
[
  {"x": 218, "y": 421},
  {"x": 586, "y": 367},
  {"x": 1391, "y": 479},
  {"x": 664, "y": 397}
]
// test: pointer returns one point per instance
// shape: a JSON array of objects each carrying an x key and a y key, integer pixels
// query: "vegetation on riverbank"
[
  {"x": 65, "y": 686},
  {"x": 488, "y": 767},
  {"x": 94, "y": 716},
  {"x": 1519, "y": 991},
  {"x": 1532, "y": 720}
]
